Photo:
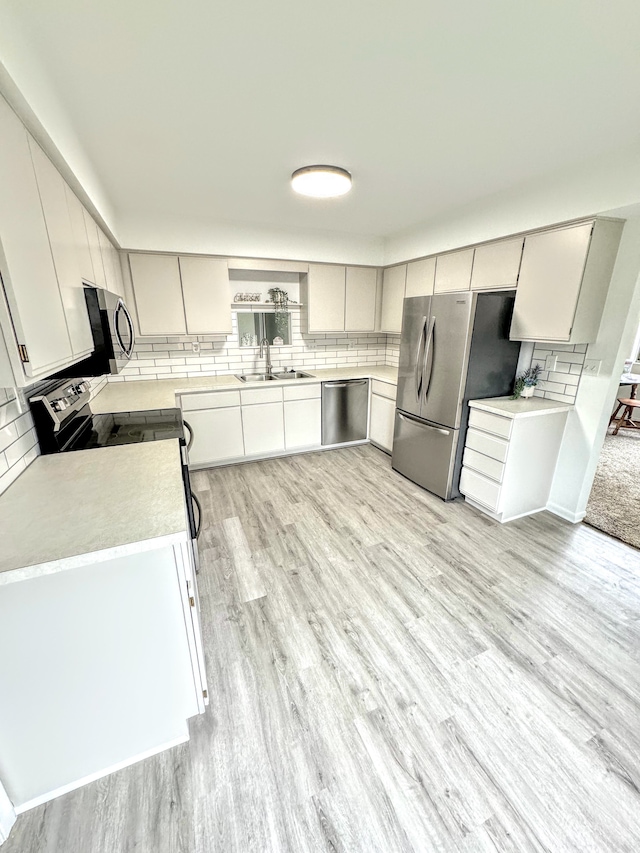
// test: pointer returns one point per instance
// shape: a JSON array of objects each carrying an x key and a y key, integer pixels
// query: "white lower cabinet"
[
  {"x": 302, "y": 423},
  {"x": 263, "y": 428},
  {"x": 383, "y": 410},
  {"x": 217, "y": 435},
  {"x": 500, "y": 473}
]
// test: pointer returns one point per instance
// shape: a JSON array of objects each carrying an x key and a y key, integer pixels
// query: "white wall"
[
  {"x": 242, "y": 240},
  {"x": 587, "y": 425},
  {"x": 31, "y": 94},
  {"x": 591, "y": 187}
]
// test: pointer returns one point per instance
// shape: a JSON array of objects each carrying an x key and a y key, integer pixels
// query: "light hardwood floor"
[{"x": 388, "y": 673}]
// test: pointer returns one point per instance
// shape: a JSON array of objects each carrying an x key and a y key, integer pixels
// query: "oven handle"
[
  {"x": 190, "y": 430},
  {"x": 122, "y": 307},
  {"x": 198, "y": 506}
]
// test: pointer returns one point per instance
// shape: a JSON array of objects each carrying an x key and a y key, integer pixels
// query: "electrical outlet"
[
  {"x": 195, "y": 346},
  {"x": 592, "y": 366},
  {"x": 551, "y": 362},
  {"x": 310, "y": 344},
  {"x": 353, "y": 345}
]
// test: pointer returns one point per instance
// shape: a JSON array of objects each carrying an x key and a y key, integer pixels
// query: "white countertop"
[
  {"x": 72, "y": 509},
  {"x": 522, "y": 408},
  {"x": 136, "y": 395}
]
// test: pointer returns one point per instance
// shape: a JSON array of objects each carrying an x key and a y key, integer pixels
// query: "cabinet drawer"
[
  {"x": 483, "y": 464},
  {"x": 302, "y": 392},
  {"x": 383, "y": 389},
  {"x": 479, "y": 488},
  {"x": 490, "y": 445},
  {"x": 209, "y": 400},
  {"x": 261, "y": 395},
  {"x": 490, "y": 423}
]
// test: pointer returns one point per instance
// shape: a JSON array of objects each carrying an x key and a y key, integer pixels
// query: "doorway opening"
[{"x": 614, "y": 502}]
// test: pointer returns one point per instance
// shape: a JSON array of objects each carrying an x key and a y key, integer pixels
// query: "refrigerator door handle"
[
  {"x": 418, "y": 374},
  {"x": 422, "y": 424},
  {"x": 428, "y": 355}
]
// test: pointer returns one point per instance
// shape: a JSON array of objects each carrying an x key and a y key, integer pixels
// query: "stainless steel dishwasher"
[{"x": 345, "y": 406}]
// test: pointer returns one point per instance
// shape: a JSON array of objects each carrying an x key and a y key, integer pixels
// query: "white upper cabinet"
[
  {"x": 63, "y": 249},
  {"x": 93, "y": 236},
  {"x": 360, "y": 301},
  {"x": 497, "y": 265},
  {"x": 326, "y": 289},
  {"x": 108, "y": 263},
  {"x": 393, "y": 287},
  {"x": 420, "y": 277},
  {"x": 207, "y": 298},
  {"x": 563, "y": 283},
  {"x": 158, "y": 294},
  {"x": 453, "y": 271},
  {"x": 80, "y": 239},
  {"x": 28, "y": 272}
]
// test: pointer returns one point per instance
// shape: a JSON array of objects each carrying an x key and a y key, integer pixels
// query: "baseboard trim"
[
  {"x": 72, "y": 786},
  {"x": 573, "y": 517}
]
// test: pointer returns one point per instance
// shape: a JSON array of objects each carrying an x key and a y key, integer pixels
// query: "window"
[{"x": 253, "y": 326}]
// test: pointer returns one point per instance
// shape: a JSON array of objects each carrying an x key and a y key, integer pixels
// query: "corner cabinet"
[
  {"x": 340, "y": 299},
  {"x": 393, "y": 287},
  {"x": 564, "y": 280}
]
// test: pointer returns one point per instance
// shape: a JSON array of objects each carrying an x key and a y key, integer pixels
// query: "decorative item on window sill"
[
  {"x": 247, "y": 297},
  {"x": 526, "y": 382},
  {"x": 280, "y": 299}
]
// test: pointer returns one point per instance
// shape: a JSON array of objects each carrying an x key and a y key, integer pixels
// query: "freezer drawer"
[
  {"x": 425, "y": 453},
  {"x": 345, "y": 408}
]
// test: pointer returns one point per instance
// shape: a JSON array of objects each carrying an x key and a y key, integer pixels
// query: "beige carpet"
[{"x": 614, "y": 503}]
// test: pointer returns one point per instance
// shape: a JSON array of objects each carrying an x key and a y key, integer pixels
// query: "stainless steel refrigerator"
[{"x": 454, "y": 348}]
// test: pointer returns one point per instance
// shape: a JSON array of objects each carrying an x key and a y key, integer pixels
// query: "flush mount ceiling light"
[{"x": 321, "y": 181}]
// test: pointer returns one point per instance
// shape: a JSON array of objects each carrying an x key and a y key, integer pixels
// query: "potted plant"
[{"x": 527, "y": 381}]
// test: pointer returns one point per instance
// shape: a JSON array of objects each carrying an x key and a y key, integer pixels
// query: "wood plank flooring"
[{"x": 388, "y": 673}]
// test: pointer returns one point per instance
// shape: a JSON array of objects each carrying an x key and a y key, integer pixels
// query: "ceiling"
[{"x": 202, "y": 110}]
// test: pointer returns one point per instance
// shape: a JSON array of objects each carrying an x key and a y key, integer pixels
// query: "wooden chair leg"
[
  {"x": 615, "y": 414},
  {"x": 624, "y": 418}
]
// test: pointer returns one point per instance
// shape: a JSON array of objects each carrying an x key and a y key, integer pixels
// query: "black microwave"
[{"x": 113, "y": 335}]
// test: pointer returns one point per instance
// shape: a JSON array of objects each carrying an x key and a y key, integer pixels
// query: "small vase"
[{"x": 528, "y": 390}]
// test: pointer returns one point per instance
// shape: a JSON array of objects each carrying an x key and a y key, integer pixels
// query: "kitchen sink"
[
  {"x": 293, "y": 374},
  {"x": 270, "y": 377},
  {"x": 256, "y": 377}
]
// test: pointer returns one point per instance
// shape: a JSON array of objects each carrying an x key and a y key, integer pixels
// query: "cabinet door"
[
  {"x": 420, "y": 277},
  {"x": 29, "y": 278},
  {"x": 326, "y": 289},
  {"x": 111, "y": 263},
  {"x": 360, "y": 301},
  {"x": 207, "y": 299},
  {"x": 158, "y": 294},
  {"x": 549, "y": 284},
  {"x": 61, "y": 239},
  {"x": 383, "y": 412},
  {"x": 393, "y": 287},
  {"x": 497, "y": 265},
  {"x": 81, "y": 241},
  {"x": 99, "y": 277},
  {"x": 453, "y": 271},
  {"x": 303, "y": 423},
  {"x": 217, "y": 435},
  {"x": 263, "y": 428}
]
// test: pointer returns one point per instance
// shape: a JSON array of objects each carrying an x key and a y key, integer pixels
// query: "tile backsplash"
[
  {"x": 172, "y": 357},
  {"x": 562, "y": 383},
  {"x": 18, "y": 443}
]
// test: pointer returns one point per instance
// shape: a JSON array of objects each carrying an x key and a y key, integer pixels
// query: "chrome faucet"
[{"x": 265, "y": 343}]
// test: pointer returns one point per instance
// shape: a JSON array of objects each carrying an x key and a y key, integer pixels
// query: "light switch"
[
  {"x": 551, "y": 362},
  {"x": 592, "y": 366}
]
